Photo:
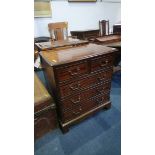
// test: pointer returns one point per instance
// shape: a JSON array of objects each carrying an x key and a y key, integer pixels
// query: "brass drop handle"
[
  {"x": 99, "y": 91},
  {"x": 78, "y": 112},
  {"x": 101, "y": 78},
  {"x": 77, "y": 101},
  {"x": 104, "y": 63},
  {"x": 74, "y": 73},
  {"x": 73, "y": 87},
  {"x": 100, "y": 101}
]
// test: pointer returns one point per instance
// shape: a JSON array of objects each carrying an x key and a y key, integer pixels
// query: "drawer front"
[
  {"x": 78, "y": 110},
  {"x": 101, "y": 62},
  {"x": 69, "y": 72},
  {"x": 85, "y": 83},
  {"x": 79, "y": 99}
]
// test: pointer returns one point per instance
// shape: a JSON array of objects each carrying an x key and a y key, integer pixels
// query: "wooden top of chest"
[{"x": 62, "y": 56}]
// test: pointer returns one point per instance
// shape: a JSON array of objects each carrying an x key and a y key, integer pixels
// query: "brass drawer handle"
[
  {"x": 74, "y": 88},
  {"x": 100, "y": 101},
  {"x": 99, "y": 91},
  {"x": 101, "y": 78},
  {"x": 104, "y": 63},
  {"x": 78, "y": 112},
  {"x": 104, "y": 88},
  {"x": 74, "y": 73},
  {"x": 77, "y": 101}
]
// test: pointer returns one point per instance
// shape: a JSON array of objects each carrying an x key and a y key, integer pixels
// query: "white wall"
[{"x": 79, "y": 15}]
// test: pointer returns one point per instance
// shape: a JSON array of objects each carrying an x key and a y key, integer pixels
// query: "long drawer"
[
  {"x": 78, "y": 109},
  {"x": 81, "y": 97},
  {"x": 82, "y": 84}
]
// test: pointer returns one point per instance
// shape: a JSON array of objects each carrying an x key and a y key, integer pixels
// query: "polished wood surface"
[
  {"x": 45, "y": 118},
  {"x": 86, "y": 34},
  {"x": 56, "y": 57},
  {"x": 58, "y": 44},
  {"x": 80, "y": 79}
]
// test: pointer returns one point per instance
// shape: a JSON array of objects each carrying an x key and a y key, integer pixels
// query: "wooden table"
[
  {"x": 80, "y": 79},
  {"x": 58, "y": 44},
  {"x": 86, "y": 34}
]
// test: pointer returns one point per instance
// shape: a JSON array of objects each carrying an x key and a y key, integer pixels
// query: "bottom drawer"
[
  {"x": 82, "y": 108},
  {"x": 44, "y": 122}
]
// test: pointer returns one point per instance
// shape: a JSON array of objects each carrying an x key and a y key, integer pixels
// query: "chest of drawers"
[{"x": 80, "y": 80}]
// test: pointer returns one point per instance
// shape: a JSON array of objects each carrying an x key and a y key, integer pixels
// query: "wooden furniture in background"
[
  {"x": 104, "y": 27},
  {"x": 37, "y": 65},
  {"x": 85, "y": 34},
  {"x": 107, "y": 39},
  {"x": 58, "y": 44},
  {"x": 113, "y": 41},
  {"x": 39, "y": 40},
  {"x": 80, "y": 79},
  {"x": 44, "y": 110},
  {"x": 117, "y": 45},
  {"x": 58, "y": 31},
  {"x": 117, "y": 29}
]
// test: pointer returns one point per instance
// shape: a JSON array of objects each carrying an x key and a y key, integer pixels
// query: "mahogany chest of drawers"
[{"x": 80, "y": 79}]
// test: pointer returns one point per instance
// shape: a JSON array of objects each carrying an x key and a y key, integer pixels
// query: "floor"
[{"x": 99, "y": 134}]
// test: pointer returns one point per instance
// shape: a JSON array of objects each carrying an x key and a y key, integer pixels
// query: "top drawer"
[
  {"x": 68, "y": 72},
  {"x": 101, "y": 62}
]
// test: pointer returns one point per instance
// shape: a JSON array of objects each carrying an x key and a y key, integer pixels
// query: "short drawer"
[
  {"x": 79, "y": 85},
  {"x": 68, "y": 72},
  {"x": 79, "y": 110},
  {"x": 101, "y": 62},
  {"x": 80, "y": 98}
]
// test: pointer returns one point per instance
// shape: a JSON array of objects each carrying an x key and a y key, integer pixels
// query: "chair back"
[
  {"x": 58, "y": 31},
  {"x": 104, "y": 27}
]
